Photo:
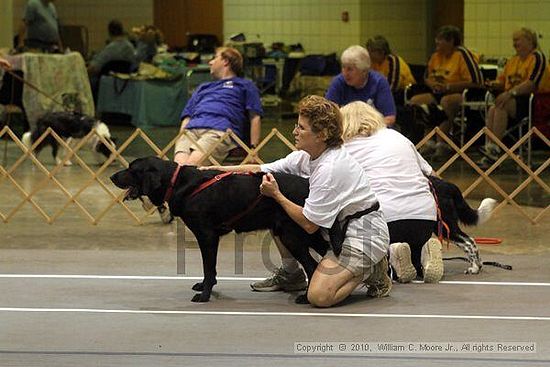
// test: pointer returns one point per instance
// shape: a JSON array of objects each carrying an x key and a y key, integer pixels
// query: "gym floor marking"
[{"x": 247, "y": 279}]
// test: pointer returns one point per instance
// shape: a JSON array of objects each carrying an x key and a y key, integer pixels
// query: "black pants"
[{"x": 415, "y": 232}]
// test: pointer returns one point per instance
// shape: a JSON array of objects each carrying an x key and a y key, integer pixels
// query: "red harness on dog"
[
  {"x": 208, "y": 183},
  {"x": 212, "y": 181},
  {"x": 218, "y": 178}
]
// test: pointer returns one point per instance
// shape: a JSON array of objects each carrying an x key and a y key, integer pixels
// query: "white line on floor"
[
  {"x": 247, "y": 279},
  {"x": 252, "y": 313}
]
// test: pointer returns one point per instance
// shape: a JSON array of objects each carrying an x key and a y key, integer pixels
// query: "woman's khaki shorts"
[{"x": 357, "y": 262}]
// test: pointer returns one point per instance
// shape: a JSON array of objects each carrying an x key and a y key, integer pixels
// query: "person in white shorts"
[{"x": 338, "y": 188}]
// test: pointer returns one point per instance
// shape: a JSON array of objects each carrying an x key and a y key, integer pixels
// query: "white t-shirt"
[
  {"x": 397, "y": 174},
  {"x": 338, "y": 187}
]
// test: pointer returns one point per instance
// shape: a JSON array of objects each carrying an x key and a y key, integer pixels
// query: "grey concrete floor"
[{"x": 118, "y": 293}]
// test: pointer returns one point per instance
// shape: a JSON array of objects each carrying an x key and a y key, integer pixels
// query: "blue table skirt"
[{"x": 148, "y": 102}]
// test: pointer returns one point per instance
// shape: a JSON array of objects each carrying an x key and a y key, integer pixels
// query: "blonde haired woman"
[{"x": 398, "y": 175}]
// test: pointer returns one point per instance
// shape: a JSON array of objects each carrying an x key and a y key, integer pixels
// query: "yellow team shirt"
[
  {"x": 396, "y": 71},
  {"x": 461, "y": 66},
  {"x": 534, "y": 68}
]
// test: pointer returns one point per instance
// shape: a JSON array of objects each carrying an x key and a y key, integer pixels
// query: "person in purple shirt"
[
  {"x": 357, "y": 82},
  {"x": 228, "y": 102}
]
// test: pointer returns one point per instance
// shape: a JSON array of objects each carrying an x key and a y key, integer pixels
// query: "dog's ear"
[{"x": 150, "y": 182}]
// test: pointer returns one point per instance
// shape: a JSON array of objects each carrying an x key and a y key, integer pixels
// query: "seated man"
[
  {"x": 523, "y": 74},
  {"x": 357, "y": 82},
  {"x": 228, "y": 102},
  {"x": 451, "y": 69},
  {"x": 393, "y": 67}
]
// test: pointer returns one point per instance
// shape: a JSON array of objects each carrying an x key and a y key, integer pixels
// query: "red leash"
[{"x": 440, "y": 223}]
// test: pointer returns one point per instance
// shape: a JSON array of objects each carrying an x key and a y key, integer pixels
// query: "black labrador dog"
[{"x": 231, "y": 203}]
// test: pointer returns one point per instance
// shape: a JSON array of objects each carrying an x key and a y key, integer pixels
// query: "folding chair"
[
  {"x": 515, "y": 132},
  {"x": 196, "y": 76}
]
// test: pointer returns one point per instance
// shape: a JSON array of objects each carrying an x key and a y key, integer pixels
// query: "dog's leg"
[
  {"x": 71, "y": 143},
  {"x": 469, "y": 246},
  {"x": 297, "y": 244},
  {"x": 208, "y": 244}
]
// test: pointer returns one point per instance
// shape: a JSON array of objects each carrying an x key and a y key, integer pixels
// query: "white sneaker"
[
  {"x": 400, "y": 260},
  {"x": 432, "y": 261}
]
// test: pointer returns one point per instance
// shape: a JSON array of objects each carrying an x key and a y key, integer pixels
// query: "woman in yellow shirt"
[
  {"x": 523, "y": 74},
  {"x": 451, "y": 69},
  {"x": 393, "y": 67}
]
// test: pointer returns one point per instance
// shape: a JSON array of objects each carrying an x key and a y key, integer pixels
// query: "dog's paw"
[
  {"x": 302, "y": 299},
  {"x": 201, "y": 297},
  {"x": 199, "y": 287},
  {"x": 472, "y": 270}
]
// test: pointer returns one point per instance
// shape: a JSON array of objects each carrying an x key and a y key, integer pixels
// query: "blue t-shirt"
[
  {"x": 376, "y": 92},
  {"x": 223, "y": 104}
]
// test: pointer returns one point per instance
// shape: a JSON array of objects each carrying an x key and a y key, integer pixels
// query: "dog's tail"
[
  {"x": 466, "y": 214},
  {"x": 485, "y": 210},
  {"x": 27, "y": 139}
]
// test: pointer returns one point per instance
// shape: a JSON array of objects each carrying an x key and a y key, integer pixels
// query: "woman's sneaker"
[
  {"x": 432, "y": 261},
  {"x": 282, "y": 281},
  {"x": 400, "y": 260},
  {"x": 379, "y": 282}
]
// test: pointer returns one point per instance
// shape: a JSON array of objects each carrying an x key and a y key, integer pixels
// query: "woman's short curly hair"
[{"x": 324, "y": 116}]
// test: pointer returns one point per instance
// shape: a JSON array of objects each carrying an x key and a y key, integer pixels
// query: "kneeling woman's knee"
[{"x": 319, "y": 297}]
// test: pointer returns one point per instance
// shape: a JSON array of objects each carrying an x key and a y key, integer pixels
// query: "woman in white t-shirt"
[
  {"x": 338, "y": 188},
  {"x": 398, "y": 175}
]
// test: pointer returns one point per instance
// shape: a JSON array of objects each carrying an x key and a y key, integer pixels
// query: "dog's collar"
[{"x": 170, "y": 190}]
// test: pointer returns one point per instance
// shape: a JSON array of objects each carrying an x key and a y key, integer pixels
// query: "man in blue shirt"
[
  {"x": 357, "y": 82},
  {"x": 228, "y": 102}
]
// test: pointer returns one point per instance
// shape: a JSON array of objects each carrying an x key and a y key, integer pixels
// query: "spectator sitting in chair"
[
  {"x": 523, "y": 74},
  {"x": 393, "y": 67},
  {"x": 357, "y": 82},
  {"x": 451, "y": 69},
  {"x": 119, "y": 48},
  {"x": 118, "y": 55},
  {"x": 228, "y": 102}
]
